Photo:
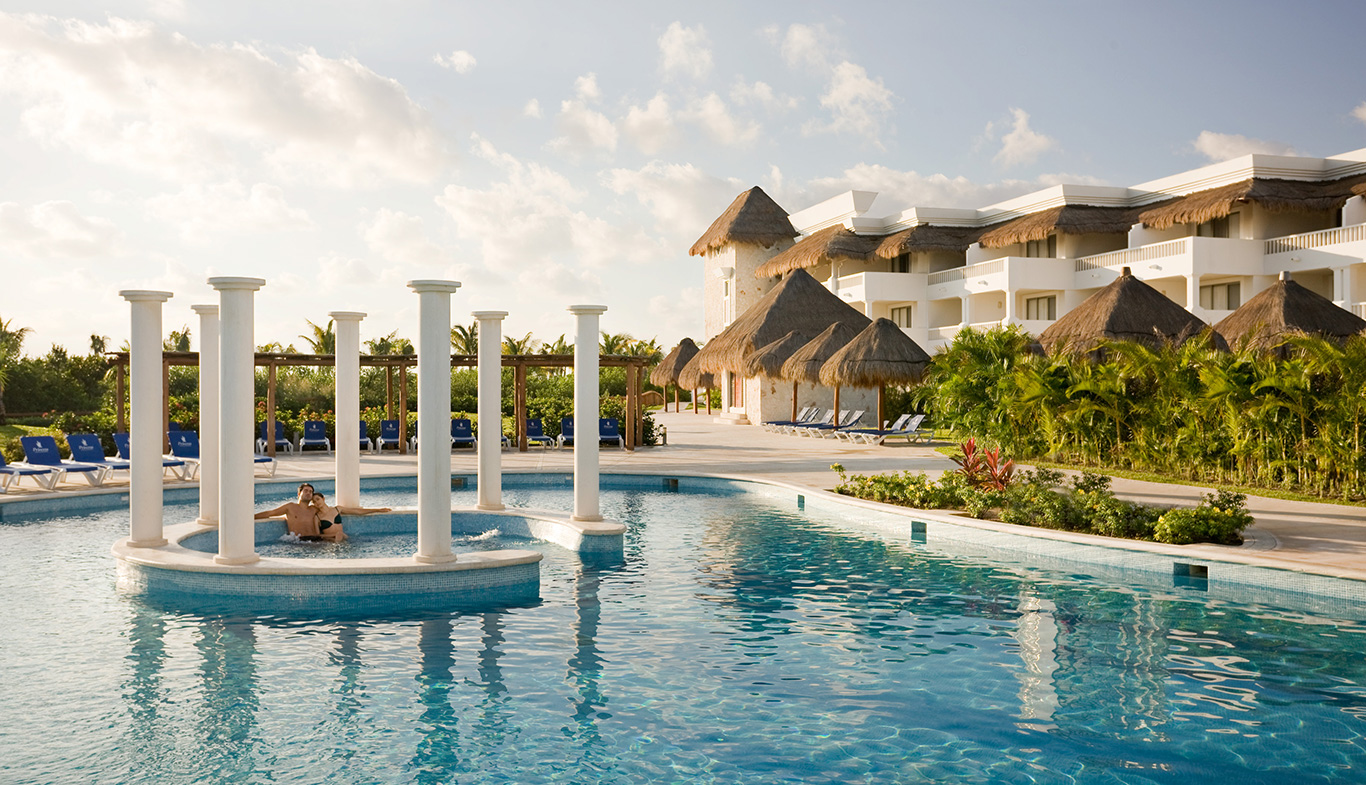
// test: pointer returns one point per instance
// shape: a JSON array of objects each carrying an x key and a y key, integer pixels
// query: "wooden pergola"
[{"x": 632, "y": 431}]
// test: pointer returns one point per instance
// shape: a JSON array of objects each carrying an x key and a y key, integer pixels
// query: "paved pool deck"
[{"x": 1326, "y": 539}]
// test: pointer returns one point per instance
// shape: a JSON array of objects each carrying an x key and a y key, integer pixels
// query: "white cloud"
[
  {"x": 54, "y": 230},
  {"x": 858, "y": 104},
  {"x": 1221, "y": 147},
  {"x": 683, "y": 199},
  {"x": 650, "y": 127},
  {"x": 582, "y": 128},
  {"x": 713, "y": 116},
  {"x": 201, "y": 211},
  {"x": 898, "y": 190},
  {"x": 1022, "y": 144},
  {"x": 762, "y": 94},
  {"x": 459, "y": 61},
  {"x": 804, "y": 45},
  {"x": 529, "y": 220},
  {"x": 532, "y": 109},
  {"x": 678, "y": 312},
  {"x": 133, "y": 94},
  {"x": 1360, "y": 112},
  {"x": 683, "y": 51}
]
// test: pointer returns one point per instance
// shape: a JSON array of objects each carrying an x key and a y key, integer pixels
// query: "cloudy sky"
[{"x": 551, "y": 153}]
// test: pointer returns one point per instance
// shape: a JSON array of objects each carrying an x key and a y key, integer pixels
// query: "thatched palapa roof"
[
  {"x": 768, "y": 360},
  {"x": 1359, "y": 189},
  {"x": 1067, "y": 219},
  {"x": 797, "y": 304},
  {"x": 1286, "y": 309},
  {"x": 880, "y": 355},
  {"x": 668, "y": 369},
  {"x": 805, "y": 364},
  {"x": 752, "y": 219},
  {"x": 832, "y": 242},
  {"x": 1126, "y": 310},
  {"x": 1274, "y": 195},
  {"x": 693, "y": 378},
  {"x": 927, "y": 237}
]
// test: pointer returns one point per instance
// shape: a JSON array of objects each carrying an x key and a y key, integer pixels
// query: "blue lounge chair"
[
  {"x": 185, "y": 446},
  {"x": 535, "y": 433},
  {"x": 177, "y": 467},
  {"x": 365, "y": 442},
  {"x": 875, "y": 435},
  {"x": 812, "y": 416},
  {"x": 847, "y": 420},
  {"x": 86, "y": 448},
  {"x": 774, "y": 425},
  {"x": 609, "y": 430},
  {"x": 280, "y": 440},
  {"x": 42, "y": 451},
  {"x": 315, "y": 435},
  {"x": 388, "y": 434},
  {"x": 566, "y": 432},
  {"x": 45, "y": 476},
  {"x": 826, "y": 421},
  {"x": 462, "y": 432}
]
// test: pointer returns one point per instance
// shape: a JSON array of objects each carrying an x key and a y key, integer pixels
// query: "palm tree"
[
  {"x": 465, "y": 340},
  {"x": 649, "y": 349},
  {"x": 11, "y": 345},
  {"x": 616, "y": 344},
  {"x": 557, "y": 346},
  {"x": 389, "y": 344},
  {"x": 524, "y": 345},
  {"x": 178, "y": 341},
  {"x": 98, "y": 344},
  {"x": 321, "y": 340}
]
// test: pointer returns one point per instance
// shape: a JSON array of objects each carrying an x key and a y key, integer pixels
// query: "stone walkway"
[{"x": 1326, "y": 539}]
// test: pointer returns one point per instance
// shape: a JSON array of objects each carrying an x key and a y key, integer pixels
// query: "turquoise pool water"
[{"x": 740, "y": 640}]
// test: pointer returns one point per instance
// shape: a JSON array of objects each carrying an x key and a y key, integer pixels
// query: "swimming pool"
[{"x": 740, "y": 640}]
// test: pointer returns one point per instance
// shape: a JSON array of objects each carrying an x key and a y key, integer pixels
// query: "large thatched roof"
[
  {"x": 668, "y": 369},
  {"x": 1274, "y": 195},
  {"x": 693, "y": 378},
  {"x": 805, "y": 364},
  {"x": 1359, "y": 189},
  {"x": 882, "y": 354},
  {"x": 1067, "y": 219},
  {"x": 1286, "y": 309},
  {"x": 926, "y": 237},
  {"x": 832, "y": 242},
  {"x": 1126, "y": 310},
  {"x": 752, "y": 219},
  {"x": 768, "y": 360},
  {"x": 797, "y": 304}
]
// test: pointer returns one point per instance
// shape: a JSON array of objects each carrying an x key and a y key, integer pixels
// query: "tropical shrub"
[{"x": 1221, "y": 517}]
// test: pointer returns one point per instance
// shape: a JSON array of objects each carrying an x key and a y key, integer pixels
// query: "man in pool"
[
  {"x": 329, "y": 517},
  {"x": 300, "y": 515}
]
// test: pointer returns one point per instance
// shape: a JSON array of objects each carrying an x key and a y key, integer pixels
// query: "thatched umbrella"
[
  {"x": 805, "y": 364},
  {"x": 768, "y": 361},
  {"x": 694, "y": 378},
  {"x": 880, "y": 355},
  {"x": 1286, "y": 308},
  {"x": 1126, "y": 310},
  {"x": 752, "y": 219},
  {"x": 667, "y": 371},
  {"x": 797, "y": 304}
]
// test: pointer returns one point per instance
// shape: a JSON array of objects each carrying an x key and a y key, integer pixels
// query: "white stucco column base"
[
  {"x": 346, "y": 448},
  {"x": 208, "y": 414},
  {"x": 236, "y": 419},
  {"x": 145, "y": 437},
  {"x": 433, "y": 420},
  {"x": 586, "y": 412}
]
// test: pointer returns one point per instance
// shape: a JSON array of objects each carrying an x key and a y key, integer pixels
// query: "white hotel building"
[{"x": 1209, "y": 239}]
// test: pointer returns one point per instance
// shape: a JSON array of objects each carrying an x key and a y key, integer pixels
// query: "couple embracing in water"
[{"x": 312, "y": 519}]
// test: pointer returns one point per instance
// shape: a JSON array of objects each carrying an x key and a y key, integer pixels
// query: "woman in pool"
[{"x": 329, "y": 517}]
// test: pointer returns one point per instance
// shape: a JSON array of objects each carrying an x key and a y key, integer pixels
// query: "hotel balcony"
[
  {"x": 865, "y": 288},
  {"x": 1007, "y": 274},
  {"x": 1180, "y": 258},
  {"x": 1329, "y": 248}
]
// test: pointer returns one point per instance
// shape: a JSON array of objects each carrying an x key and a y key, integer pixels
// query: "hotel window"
[
  {"x": 1227, "y": 226},
  {"x": 902, "y": 264},
  {"x": 902, "y": 316},
  {"x": 1220, "y": 296},
  {"x": 1042, "y": 308},
  {"x": 1042, "y": 249},
  {"x": 725, "y": 301}
]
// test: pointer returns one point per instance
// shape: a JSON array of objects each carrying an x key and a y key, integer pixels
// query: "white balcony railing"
[
  {"x": 962, "y": 273},
  {"x": 944, "y": 333},
  {"x": 1359, "y": 309},
  {"x": 1130, "y": 257},
  {"x": 1300, "y": 242}
]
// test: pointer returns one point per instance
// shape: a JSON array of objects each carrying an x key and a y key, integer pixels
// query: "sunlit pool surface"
[{"x": 738, "y": 642}]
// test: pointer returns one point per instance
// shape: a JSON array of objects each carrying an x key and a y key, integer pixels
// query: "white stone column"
[
  {"x": 433, "y": 420},
  {"x": 236, "y": 418},
  {"x": 1009, "y": 295},
  {"x": 490, "y": 409},
  {"x": 1342, "y": 287},
  {"x": 145, "y": 437},
  {"x": 347, "y": 406},
  {"x": 586, "y": 411},
  {"x": 966, "y": 315},
  {"x": 208, "y": 414},
  {"x": 1192, "y": 294}
]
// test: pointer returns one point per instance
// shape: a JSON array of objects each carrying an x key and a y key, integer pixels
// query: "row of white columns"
[{"x": 227, "y": 415}]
